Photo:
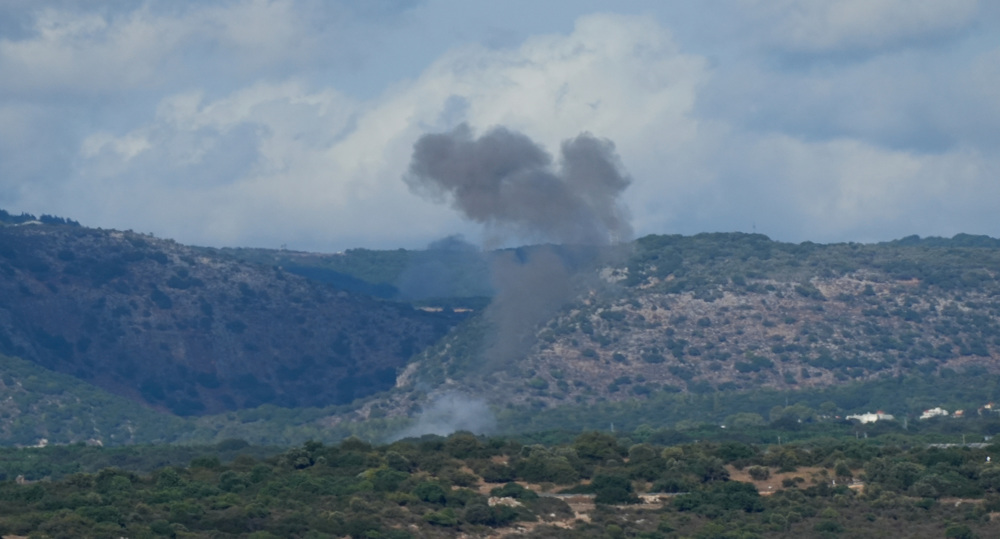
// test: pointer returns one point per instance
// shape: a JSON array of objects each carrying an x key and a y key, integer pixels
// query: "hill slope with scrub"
[
  {"x": 280, "y": 347},
  {"x": 737, "y": 312},
  {"x": 193, "y": 331}
]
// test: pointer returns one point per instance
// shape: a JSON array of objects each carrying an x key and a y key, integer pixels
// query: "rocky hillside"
[
  {"x": 192, "y": 330},
  {"x": 195, "y": 331},
  {"x": 722, "y": 312}
]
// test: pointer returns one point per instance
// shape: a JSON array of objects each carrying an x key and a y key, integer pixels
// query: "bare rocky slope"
[{"x": 191, "y": 330}]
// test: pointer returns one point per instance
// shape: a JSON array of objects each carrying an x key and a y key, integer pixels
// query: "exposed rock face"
[{"x": 192, "y": 330}]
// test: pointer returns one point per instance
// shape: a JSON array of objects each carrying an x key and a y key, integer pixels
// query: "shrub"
[
  {"x": 495, "y": 472},
  {"x": 829, "y": 526},
  {"x": 444, "y": 517},
  {"x": 429, "y": 492},
  {"x": 612, "y": 489},
  {"x": 514, "y": 490},
  {"x": 959, "y": 531},
  {"x": 161, "y": 300},
  {"x": 759, "y": 473}
]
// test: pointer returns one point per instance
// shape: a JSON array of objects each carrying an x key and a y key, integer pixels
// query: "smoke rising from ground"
[
  {"x": 449, "y": 412},
  {"x": 512, "y": 186},
  {"x": 530, "y": 287}
]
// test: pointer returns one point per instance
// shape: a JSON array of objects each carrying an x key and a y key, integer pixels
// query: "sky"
[{"x": 269, "y": 123}]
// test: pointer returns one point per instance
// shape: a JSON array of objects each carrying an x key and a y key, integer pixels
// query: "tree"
[
  {"x": 541, "y": 467},
  {"x": 842, "y": 470},
  {"x": 430, "y": 492},
  {"x": 597, "y": 446},
  {"x": 745, "y": 420},
  {"x": 759, "y": 473},
  {"x": 613, "y": 489}
]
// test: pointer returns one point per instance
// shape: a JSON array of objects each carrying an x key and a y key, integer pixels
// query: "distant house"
[
  {"x": 871, "y": 417},
  {"x": 934, "y": 412}
]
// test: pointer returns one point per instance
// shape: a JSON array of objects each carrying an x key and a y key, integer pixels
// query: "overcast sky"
[{"x": 292, "y": 122}]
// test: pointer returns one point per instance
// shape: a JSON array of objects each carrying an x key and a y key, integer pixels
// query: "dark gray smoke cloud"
[{"x": 510, "y": 184}]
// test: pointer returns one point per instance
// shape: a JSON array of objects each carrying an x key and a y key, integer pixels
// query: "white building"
[
  {"x": 934, "y": 412},
  {"x": 871, "y": 417}
]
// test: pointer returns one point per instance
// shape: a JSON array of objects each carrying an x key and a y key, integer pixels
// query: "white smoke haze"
[{"x": 449, "y": 412}]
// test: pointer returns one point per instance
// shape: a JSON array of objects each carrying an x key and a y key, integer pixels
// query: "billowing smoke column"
[
  {"x": 507, "y": 182},
  {"x": 510, "y": 184}
]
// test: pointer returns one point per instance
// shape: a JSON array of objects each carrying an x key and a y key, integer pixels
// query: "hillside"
[
  {"x": 737, "y": 312},
  {"x": 264, "y": 346},
  {"x": 447, "y": 271},
  {"x": 38, "y": 406},
  {"x": 194, "y": 331}
]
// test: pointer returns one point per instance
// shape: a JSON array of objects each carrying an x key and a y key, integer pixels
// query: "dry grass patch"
[{"x": 775, "y": 482}]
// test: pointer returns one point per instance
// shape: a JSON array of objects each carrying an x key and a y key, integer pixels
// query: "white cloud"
[
  {"x": 222, "y": 124},
  {"x": 162, "y": 44},
  {"x": 811, "y": 26},
  {"x": 326, "y": 162},
  {"x": 832, "y": 190},
  {"x": 81, "y": 52}
]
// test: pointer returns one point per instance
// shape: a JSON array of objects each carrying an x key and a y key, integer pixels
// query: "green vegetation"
[
  {"x": 705, "y": 260},
  {"x": 193, "y": 332},
  {"x": 201, "y": 332},
  {"x": 457, "y": 277},
  {"x": 716, "y": 314},
  {"x": 56, "y": 462},
  {"x": 37, "y": 404},
  {"x": 904, "y": 397},
  {"x": 728, "y": 360},
  {"x": 8, "y": 219},
  {"x": 465, "y": 485}
]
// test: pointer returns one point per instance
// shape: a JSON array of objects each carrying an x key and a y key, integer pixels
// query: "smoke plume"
[
  {"x": 512, "y": 186},
  {"x": 507, "y": 182},
  {"x": 449, "y": 412}
]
